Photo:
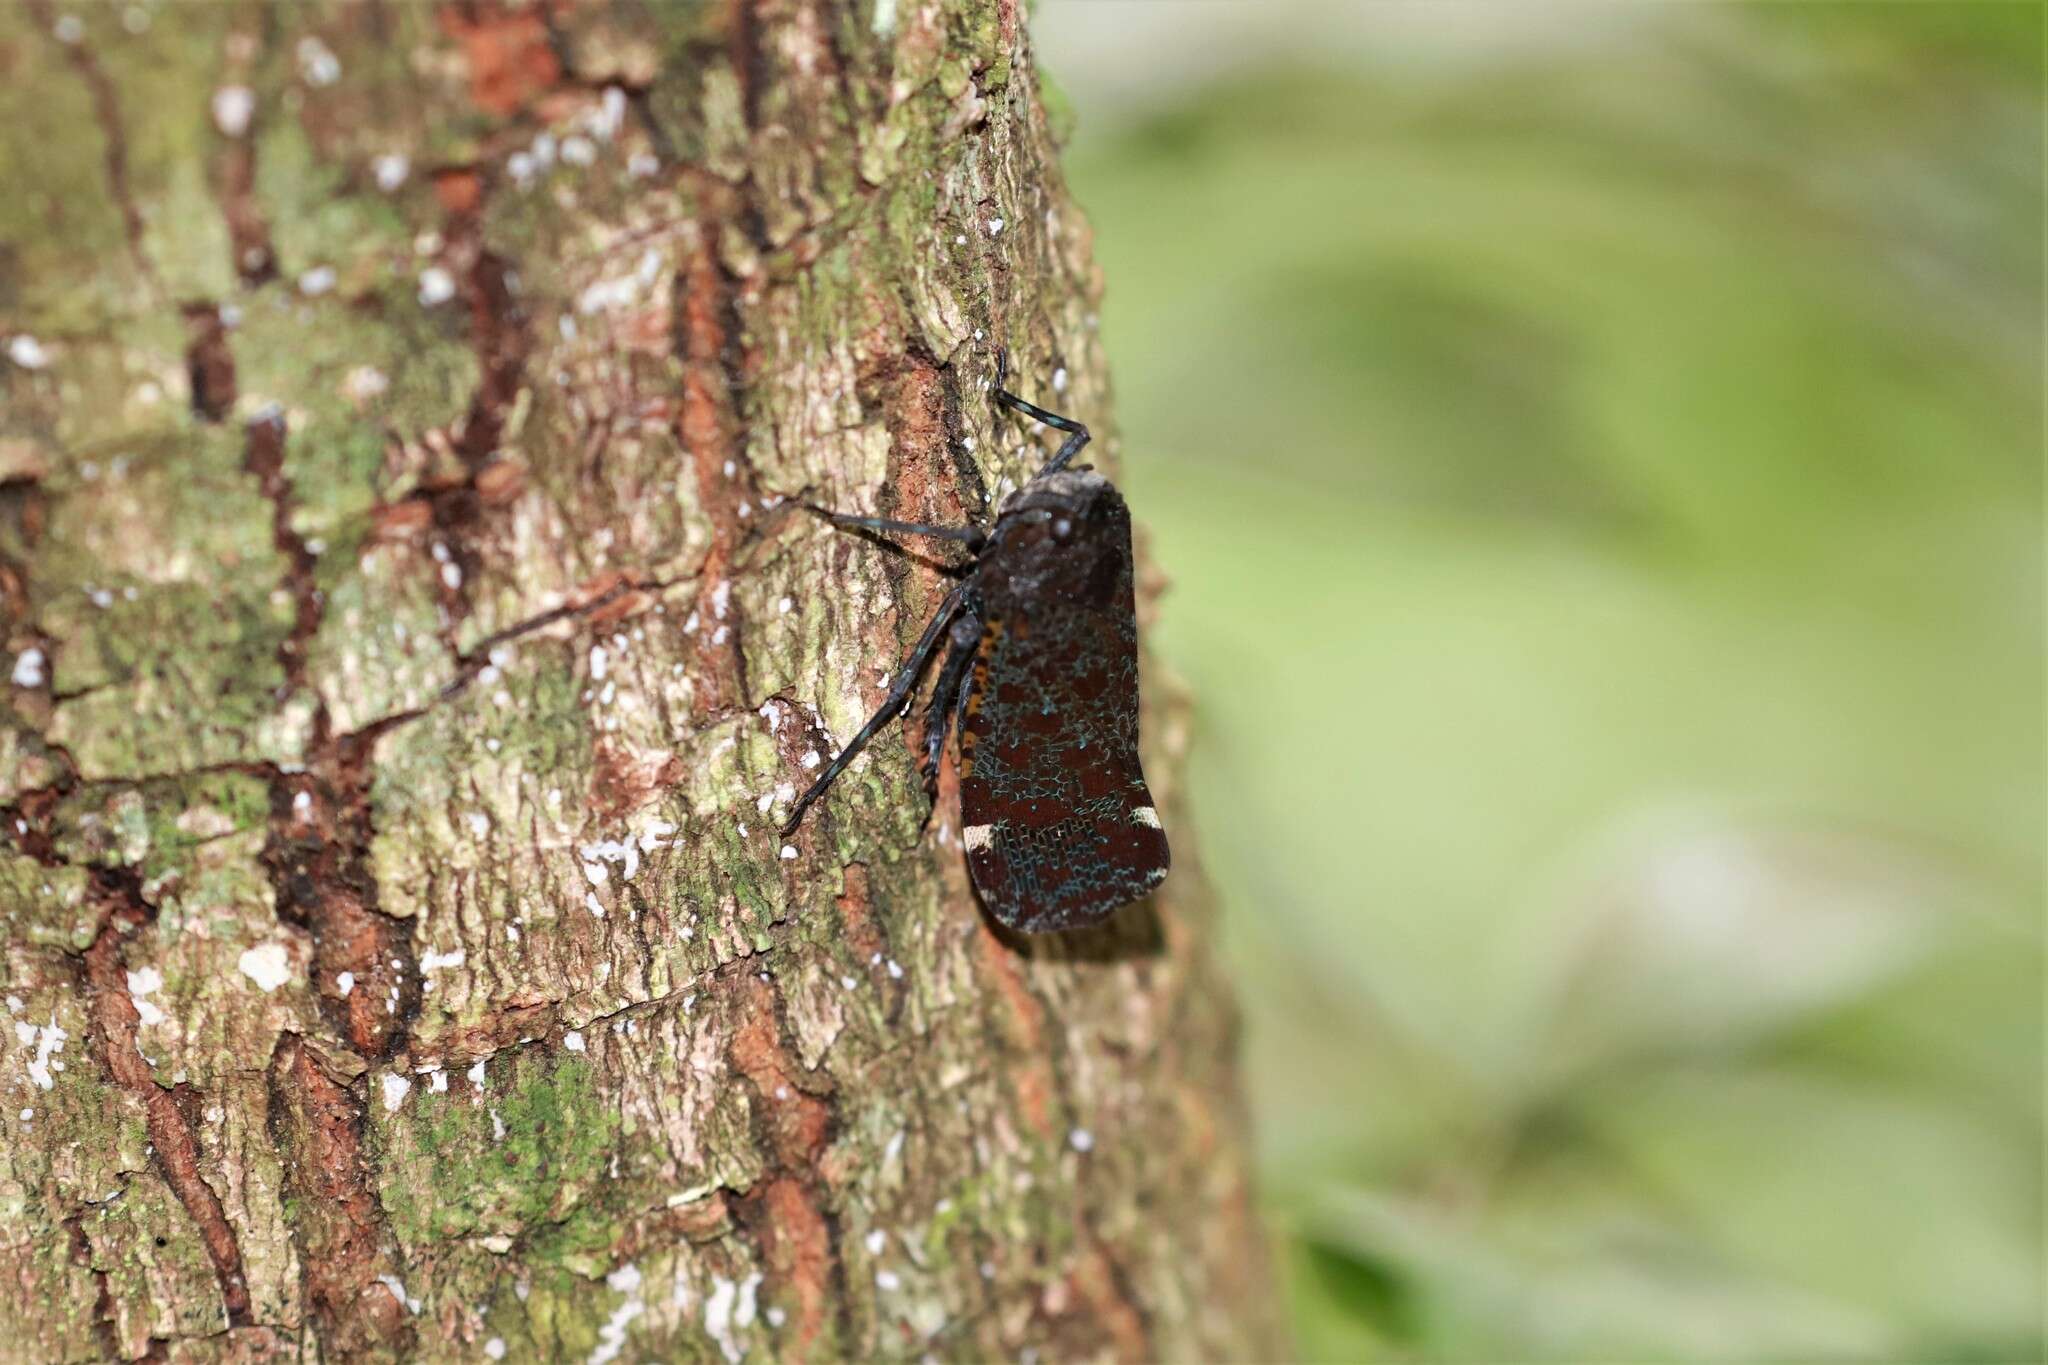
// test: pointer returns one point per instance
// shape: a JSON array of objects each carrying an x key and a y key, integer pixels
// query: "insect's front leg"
[
  {"x": 1077, "y": 434},
  {"x": 962, "y": 643}
]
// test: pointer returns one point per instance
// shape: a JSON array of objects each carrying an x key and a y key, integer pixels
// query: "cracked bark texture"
[{"x": 413, "y": 647}]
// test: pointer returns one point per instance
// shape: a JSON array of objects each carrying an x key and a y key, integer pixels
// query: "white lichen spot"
[
  {"x": 434, "y": 961},
  {"x": 396, "y": 1087},
  {"x": 363, "y": 383},
  {"x": 28, "y": 668},
  {"x": 475, "y": 1075},
  {"x": 233, "y": 108},
  {"x": 497, "y": 1127},
  {"x": 437, "y": 1082},
  {"x": 888, "y": 1281},
  {"x": 876, "y": 1242},
  {"x": 578, "y": 150},
  {"x": 69, "y": 29},
  {"x": 390, "y": 170},
  {"x": 267, "y": 964},
  {"x": 786, "y": 605},
  {"x": 1059, "y": 380},
  {"x": 625, "y": 852},
  {"x": 642, "y": 164},
  {"x": 397, "y": 1288},
  {"x": 718, "y": 1308},
  {"x": 995, "y": 226},
  {"x": 610, "y": 114},
  {"x": 495, "y": 1348},
  {"x": 789, "y": 853},
  {"x": 49, "y": 1041},
  {"x": 317, "y": 62},
  {"x": 600, "y": 662},
  {"x": 1081, "y": 1140},
  {"x": 573, "y": 1040},
  {"x": 317, "y": 281},
  {"x": 895, "y": 970},
  {"x": 811, "y": 760},
  {"x": 721, "y": 598},
  {"x": 437, "y": 286},
  {"x": 593, "y": 904},
  {"x": 141, "y": 985},
  {"x": 25, "y": 351},
  {"x": 345, "y": 982},
  {"x": 479, "y": 823},
  {"x": 848, "y": 982}
]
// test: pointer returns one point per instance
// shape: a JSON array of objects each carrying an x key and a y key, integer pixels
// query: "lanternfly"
[{"x": 1040, "y": 681}]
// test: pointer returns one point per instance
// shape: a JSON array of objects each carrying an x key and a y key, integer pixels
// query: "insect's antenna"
[{"x": 1077, "y": 434}]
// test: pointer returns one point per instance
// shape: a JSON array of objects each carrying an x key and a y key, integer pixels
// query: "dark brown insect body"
[{"x": 1041, "y": 681}]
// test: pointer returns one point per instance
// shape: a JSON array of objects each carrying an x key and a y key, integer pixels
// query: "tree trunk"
[{"x": 415, "y": 646}]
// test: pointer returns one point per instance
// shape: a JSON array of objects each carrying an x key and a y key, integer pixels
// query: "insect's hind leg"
[
  {"x": 1077, "y": 435},
  {"x": 963, "y": 642},
  {"x": 899, "y": 696}
]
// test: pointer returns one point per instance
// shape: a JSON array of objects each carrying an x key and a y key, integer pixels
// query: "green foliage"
[{"x": 1602, "y": 492}]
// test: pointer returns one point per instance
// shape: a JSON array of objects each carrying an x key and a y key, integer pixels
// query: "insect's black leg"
[
  {"x": 899, "y": 696},
  {"x": 1077, "y": 434},
  {"x": 963, "y": 641},
  {"x": 972, "y": 536}
]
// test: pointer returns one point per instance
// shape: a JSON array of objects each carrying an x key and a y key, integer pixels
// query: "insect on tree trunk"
[{"x": 414, "y": 646}]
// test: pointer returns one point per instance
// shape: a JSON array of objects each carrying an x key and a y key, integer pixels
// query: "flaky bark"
[{"x": 412, "y": 653}]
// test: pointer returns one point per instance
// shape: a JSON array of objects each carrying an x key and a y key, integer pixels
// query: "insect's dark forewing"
[{"x": 1059, "y": 827}]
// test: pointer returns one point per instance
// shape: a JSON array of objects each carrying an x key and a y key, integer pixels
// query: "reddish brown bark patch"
[
  {"x": 796, "y": 1242},
  {"x": 339, "y": 1224},
  {"x": 172, "y": 1143},
  {"x": 1033, "y": 1071},
  {"x": 707, "y": 326},
  {"x": 797, "y": 1124},
  {"x": 263, "y": 456},
  {"x": 317, "y": 856},
  {"x": 209, "y": 363},
  {"x": 510, "y": 61},
  {"x": 784, "y": 1212}
]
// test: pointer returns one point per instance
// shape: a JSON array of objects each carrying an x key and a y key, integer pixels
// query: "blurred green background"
[{"x": 1597, "y": 450}]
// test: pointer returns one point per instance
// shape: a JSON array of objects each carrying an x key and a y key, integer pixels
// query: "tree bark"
[{"x": 414, "y": 646}]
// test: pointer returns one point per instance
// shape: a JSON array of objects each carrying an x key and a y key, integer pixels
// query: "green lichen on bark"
[{"x": 414, "y": 644}]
